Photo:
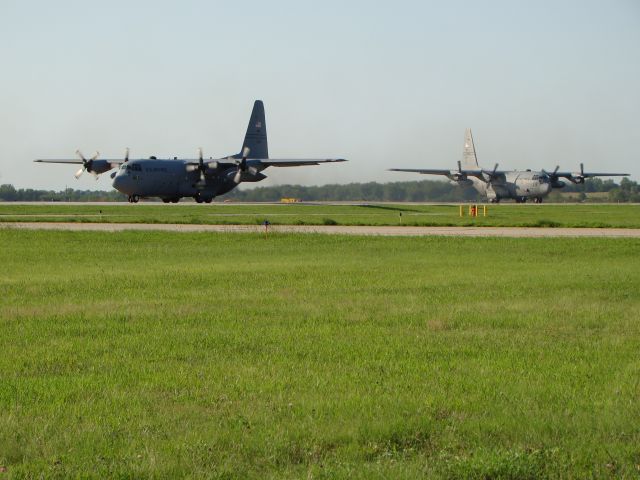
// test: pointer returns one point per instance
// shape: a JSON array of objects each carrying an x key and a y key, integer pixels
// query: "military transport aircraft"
[
  {"x": 495, "y": 184},
  {"x": 198, "y": 178}
]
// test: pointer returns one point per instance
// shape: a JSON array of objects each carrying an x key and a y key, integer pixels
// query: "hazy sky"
[{"x": 384, "y": 84}]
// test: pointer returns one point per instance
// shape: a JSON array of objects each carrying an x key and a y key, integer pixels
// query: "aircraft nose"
[{"x": 120, "y": 183}]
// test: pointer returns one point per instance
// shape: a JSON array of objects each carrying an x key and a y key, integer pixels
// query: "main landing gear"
[
  {"x": 537, "y": 199},
  {"x": 133, "y": 198},
  {"x": 199, "y": 198}
]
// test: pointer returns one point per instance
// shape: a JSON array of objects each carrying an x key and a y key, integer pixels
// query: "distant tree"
[
  {"x": 628, "y": 191},
  {"x": 8, "y": 193},
  {"x": 417, "y": 191}
]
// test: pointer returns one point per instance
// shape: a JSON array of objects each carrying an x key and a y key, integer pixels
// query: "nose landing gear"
[{"x": 133, "y": 198}]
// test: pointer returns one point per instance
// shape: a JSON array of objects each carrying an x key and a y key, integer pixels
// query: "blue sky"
[{"x": 383, "y": 84}]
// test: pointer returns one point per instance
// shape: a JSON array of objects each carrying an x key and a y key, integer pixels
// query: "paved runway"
[{"x": 338, "y": 229}]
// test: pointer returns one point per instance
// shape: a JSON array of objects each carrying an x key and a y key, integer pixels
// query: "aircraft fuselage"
[
  {"x": 171, "y": 180},
  {"x": 518, "y": 185}
]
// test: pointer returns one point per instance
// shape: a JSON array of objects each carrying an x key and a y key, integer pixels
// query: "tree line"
[{"x": 416, "y": 191}]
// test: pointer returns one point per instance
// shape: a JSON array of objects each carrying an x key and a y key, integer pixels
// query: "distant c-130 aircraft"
[
  {"x": 201, "y": 179},
  {"x": 520, "y": 185}
]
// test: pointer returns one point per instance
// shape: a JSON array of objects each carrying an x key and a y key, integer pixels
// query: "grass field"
[
  {"x": 148, "y": 354},
  {"x": 573, "y": 215}
]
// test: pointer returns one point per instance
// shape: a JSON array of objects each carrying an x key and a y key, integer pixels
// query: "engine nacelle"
[
  {"x": 99, "y": 166},
  {"x": 252, "y": 177},
  {"x": 212, "y": 166},
  {"x": 577, "y": 179}
]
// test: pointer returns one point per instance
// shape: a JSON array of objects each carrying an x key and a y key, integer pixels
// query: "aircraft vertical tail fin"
[
  {"x": 469, "y": 158},
  {"x": 256, "y": 137}
]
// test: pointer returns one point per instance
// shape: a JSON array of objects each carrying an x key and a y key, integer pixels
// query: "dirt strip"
[{"x": 337, "y": 229}]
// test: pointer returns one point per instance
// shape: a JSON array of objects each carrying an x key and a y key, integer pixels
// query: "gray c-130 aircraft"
[
  {"x": 198, "y": 178},
  {"x": 495, "y": 184}
]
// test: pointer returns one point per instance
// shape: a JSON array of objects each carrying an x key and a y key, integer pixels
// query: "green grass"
[
  {"x": 149, "y": 354},
  {"x": 574, "y": 215}
]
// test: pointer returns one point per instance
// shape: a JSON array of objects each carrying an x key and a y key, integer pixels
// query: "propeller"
[
  {"x": 492, "y": 175},
  {"x": 242, "y": 165},
  {"x": 201, "y": 167},
  {"x": 86, "y": 164},
  {"x": 552, "y": 176},
  {"x": 126, "y": 155},
  {"x": 578, "y": 178},
  {"x": 458, "y": 175}
]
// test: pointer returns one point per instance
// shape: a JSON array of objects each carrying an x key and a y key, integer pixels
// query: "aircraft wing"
[
  {"x": 569, "y": 175},
  {"x": 426, "y": 171},
  {"x": 439, "y": 171},
  {"x": 275, "y": 162},
  {"x": 77, "y": 161},
  {"x": 62, "y": 160}
]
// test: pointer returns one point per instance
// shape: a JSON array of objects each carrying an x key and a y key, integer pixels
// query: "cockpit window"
[{"x": 131, "y": 167}]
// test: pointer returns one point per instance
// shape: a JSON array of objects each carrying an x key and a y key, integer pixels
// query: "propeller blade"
[
  {"x": 459, "y": 166},
  {"x": 79, "y": 173},
  {"x": 245, "y": 152},
  {"x": 126, "y": 154},
  {"x": 494, "y": 170},
  {"x": 95, "y": 155},
  {"x": 237, "y": 177},
  {"x": 79, "y": 154},
  {"x": 582, "y": 169},
  {"x": 200, "y": 154}
]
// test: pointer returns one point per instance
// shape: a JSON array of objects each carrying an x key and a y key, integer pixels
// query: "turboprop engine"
[{"x": 93, "y": 165}]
